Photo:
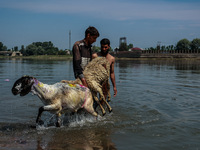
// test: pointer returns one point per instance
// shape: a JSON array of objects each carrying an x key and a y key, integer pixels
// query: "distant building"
[
  {"x": 11, "y": 53},
  {"x": 16, "y": 54},
  {"x": 68, "y": 52},
  {"x": 5, "y": 53}
]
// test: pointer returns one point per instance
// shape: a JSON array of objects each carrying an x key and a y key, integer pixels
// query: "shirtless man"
[{"x": 105, "y": 46}]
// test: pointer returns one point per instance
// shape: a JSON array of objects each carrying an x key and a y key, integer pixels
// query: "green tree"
[
  {"x": 38, "y": 44},
  {"x": 183, "y": 45},
  {"x": 5, "y": 48},
  {"x": 31, "y": 49},
  {"x": 195, "y": 45},
  {"x": 22, "y": 50},
  {"x": 2, "y": 47},
  {"x": 96, "y": 49},
  {"x": 61, "y": 52},
  {"x": 130, "y": 46},
  {"x": 152, "y": 49},
  {"x": 163, "y": 48},
  {"x": 171, "y": 47},
  {"x": 41, "y": 48},
  {"x": 16, "y": 48}
]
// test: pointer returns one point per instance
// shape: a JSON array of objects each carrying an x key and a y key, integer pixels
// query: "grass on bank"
[
  {"x": 42, "y": 57},
  {"x": 68, "y": 57}
]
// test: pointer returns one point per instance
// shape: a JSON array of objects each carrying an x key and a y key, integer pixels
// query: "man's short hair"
[
  {"x": 105, "y": 41},
  {"x": 92, "y": 31}
]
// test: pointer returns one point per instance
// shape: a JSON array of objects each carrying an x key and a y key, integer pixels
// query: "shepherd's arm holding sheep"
[{"x": 105, "y": 47}]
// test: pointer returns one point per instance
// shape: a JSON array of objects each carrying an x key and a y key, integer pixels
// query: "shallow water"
[{"x": 157, "y": 107}]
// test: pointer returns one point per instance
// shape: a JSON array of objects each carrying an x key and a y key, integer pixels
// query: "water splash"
[{"x": 73, "y": 121}]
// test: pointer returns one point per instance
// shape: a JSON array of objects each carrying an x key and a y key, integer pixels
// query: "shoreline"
[
  {"x": 40, "y": 57},
  {"x": 142, "y": 57}
]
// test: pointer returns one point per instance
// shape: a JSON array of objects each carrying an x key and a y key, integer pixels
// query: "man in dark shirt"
[{"x": 82, "y": 53}]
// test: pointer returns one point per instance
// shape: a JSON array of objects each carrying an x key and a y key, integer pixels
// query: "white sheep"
[{"x": 57, "y": 98}]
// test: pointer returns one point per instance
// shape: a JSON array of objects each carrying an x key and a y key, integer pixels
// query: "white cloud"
[{"x": 111, "y": 9}]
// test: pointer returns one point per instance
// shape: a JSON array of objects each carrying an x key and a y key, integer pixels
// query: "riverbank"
[
  {"x": 120, "y": 55},
  {"x": 138, "y": 55},
  {"x": 40, "y": 57},
  {"x": 171, "y": 55}
]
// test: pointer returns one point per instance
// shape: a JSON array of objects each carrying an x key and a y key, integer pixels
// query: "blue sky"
[{"x": 143, "y": 22}]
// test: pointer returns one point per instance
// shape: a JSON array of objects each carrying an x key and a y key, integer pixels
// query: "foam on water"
[{"x": 72, "y": 121}]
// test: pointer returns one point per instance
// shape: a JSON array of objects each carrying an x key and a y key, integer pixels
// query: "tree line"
[
  {"x": 47, "y": 48},
  {"x": 36, "y": 48},
  {"x": 184, "y": 45}
]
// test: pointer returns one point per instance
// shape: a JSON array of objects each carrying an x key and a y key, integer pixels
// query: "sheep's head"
[{"x": 23, "y": 85}]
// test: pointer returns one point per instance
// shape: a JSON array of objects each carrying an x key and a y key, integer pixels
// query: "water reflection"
[
  {"x": 125, "y": 68},
  {"x": 85, "y": 139},
  {"x": 43, "y": 69},
  {"x": 22, "y": 136},
  {"x": 178, "y": 64}
]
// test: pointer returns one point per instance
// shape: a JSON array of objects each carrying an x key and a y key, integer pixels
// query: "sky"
[{"x": 144, "y": 23}]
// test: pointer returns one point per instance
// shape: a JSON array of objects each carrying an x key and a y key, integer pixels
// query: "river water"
[{"x": 157, "y": 107}]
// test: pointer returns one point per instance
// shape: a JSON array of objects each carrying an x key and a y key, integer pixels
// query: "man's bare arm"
[{"x": 112, "y": 77}]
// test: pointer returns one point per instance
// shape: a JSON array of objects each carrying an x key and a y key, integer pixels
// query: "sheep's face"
[{"x": 22, "y": 86}]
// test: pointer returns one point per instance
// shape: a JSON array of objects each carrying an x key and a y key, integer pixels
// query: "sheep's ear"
[
  {"x": 26, "y": 86},
  {"x": 22, "y": 86},
  {"x": 17, "y": 87},
  {"x": 25, "y": 91}
]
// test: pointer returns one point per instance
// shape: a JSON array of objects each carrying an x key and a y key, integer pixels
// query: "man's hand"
[
  {"x": 84, "y": 82},
  {"x": 115, "y": 91}
]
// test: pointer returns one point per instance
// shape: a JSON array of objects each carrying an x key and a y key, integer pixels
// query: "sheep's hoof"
[
  {"x": 98, "y": 117},
  {"x": 104, "y": 113},
  {"x": 72, "y": 113},
  {"x": 40, "y": 122},
  {"x": 110, "y": 110},
  {"x": 33, "y": 126},
  {"x": 58, "y": 124}
]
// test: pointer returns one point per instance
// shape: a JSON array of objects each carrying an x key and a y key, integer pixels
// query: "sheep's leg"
[
  {"x": 98, "y": 88},
  {"x": 58, "y": 123},
  {"x": 41, "y": 109},
  {"x": 105, "y": 92},
  {"x": 102, "y": 109},
  {"x": 108, "y": 92},
  {"x": 89, "y": 106},
  {"x": 91, "y": 110},
  {"x": 93, "y": 88},
  {"x": 46, "y": 108},
  {"x": 101, "y": 94},
  {"x": 109, "y": 107}
]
